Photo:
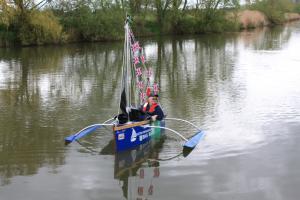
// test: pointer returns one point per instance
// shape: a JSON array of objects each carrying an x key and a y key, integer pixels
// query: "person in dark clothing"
[{"x": 152, "y": 108}]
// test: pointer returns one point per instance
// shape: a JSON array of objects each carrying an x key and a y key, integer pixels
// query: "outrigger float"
[{"x": 129, "y": 130}]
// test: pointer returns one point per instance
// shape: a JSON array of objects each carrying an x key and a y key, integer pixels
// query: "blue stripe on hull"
[{"x": 132, "y": 137}]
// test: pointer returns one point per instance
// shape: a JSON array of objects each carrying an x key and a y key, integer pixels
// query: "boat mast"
[
  {"x": 136, "y": 75},
  {"x": 125, "y": 100},
  {"x": 127, "y": 65}
]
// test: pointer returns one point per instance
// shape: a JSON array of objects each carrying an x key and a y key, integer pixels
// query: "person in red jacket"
[{"x": 152, "y": 108}]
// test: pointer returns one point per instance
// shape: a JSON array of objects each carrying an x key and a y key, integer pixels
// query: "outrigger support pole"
[
  {"x": 169, "y": 130},
  {"x": 111, "y": 119},
  {"x": 84, "y": 132},
  {"x": 193, "y": 141},
  {"x": 183, "y": 120},
  {"x": 189, "y": 143}
]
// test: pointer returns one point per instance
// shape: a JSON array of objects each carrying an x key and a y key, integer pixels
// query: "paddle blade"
[
  {"x": 193, "y": 141},
  {"x": 81, "y": 133}
]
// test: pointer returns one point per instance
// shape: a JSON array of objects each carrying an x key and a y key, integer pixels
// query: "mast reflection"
[
  {"x": 137, "y": 173},
  {"x": 137, "y": 169}
]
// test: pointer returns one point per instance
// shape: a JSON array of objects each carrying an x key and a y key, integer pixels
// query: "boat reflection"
[
  {"x": 138, "y": 174},
  {"x": 137, "y": 169}
]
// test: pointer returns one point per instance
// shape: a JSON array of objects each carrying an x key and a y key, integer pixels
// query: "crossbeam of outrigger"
[{"x": 189, "y": 143}]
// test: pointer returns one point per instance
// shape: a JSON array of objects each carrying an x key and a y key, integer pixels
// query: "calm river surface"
[{"x": 242, "y": 89}]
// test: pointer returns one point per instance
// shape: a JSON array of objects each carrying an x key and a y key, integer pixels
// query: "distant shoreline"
[
  {"x": 253, "y": 19},
  {"x": 112, "y": 30}
]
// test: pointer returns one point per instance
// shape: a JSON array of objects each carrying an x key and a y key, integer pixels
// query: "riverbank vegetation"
[{"x": 27, "y": 22}]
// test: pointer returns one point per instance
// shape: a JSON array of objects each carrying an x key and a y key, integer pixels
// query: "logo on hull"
[{"x": 133, "y": 135}]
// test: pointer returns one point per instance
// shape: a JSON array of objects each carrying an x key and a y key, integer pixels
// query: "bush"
[
  {"x": 297, "y": 8},
  {"x": 145, "y": 25},
  {"x": 185, "y": 24},
  {"x": 84, "y": 25},
  {"x": 7, "y": 38},
  {"x": 38, "y": 27},
  {"x": 151, "y": 25},
  {"x": 273, "y": 9},
  {"x": 216, "y": 23}
]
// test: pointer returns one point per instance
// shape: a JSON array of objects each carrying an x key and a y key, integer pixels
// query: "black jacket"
[{"x": 157, "y": 111}]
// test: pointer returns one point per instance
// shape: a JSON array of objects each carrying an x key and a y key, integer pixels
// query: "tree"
[
  {"x": 6, "y": 14},
  {"x": 161, "y": 9},
  {"x": 30, "y": 25}
]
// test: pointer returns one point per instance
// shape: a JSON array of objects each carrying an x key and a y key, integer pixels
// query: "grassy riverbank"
[{"x": 20, "y": 25}]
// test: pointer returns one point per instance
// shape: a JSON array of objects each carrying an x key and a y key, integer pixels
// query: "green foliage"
[
  {"x": 109, "y": 25},
  {"x": 230, "y": 25},
  {"x": 145, "y": 25},
  {"x": 217, "y": 22},
  {"x": 103, "y": 20},
  {"x": 297, "y": 8},
  {"x": 87, "y": 25},
  {"x": 7, "y": 38},
  {"x": 37, "y": 27},
  {"x": 151, "y": 25},
  {"x": 273, "y": 9},
  {"x": 7, "y": 14},
  {"x": 185, "y": 24}
]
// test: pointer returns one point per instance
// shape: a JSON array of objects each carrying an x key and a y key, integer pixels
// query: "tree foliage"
[
  {"x": 6, "y": 14},
  {"x": 40, "y": 27},
  {"x": 273, "y": 9},
  {"x": 29, "y": 25},
  {"x": 52, "y": 21}
]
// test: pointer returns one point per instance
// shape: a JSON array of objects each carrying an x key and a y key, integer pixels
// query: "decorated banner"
[{"x": 143, "y": 74}]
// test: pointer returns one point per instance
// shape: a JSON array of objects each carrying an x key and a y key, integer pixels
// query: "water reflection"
[
  {"x": 137, "y": 169},
  {"x": 42, "y": 87},
  {"x": 269, "y": 39},
  {"x": 138, "y": 172}
]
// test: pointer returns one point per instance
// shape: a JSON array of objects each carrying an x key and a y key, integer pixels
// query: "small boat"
[
  {"x": 131, "y": 126},
  {"x": 131, "y": 135}
]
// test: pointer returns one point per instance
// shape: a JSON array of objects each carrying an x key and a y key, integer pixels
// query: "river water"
[{"x": 242, "y": 89}]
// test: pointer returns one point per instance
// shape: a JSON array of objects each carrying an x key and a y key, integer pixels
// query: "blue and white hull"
[{"x": 131, "y": 137}]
